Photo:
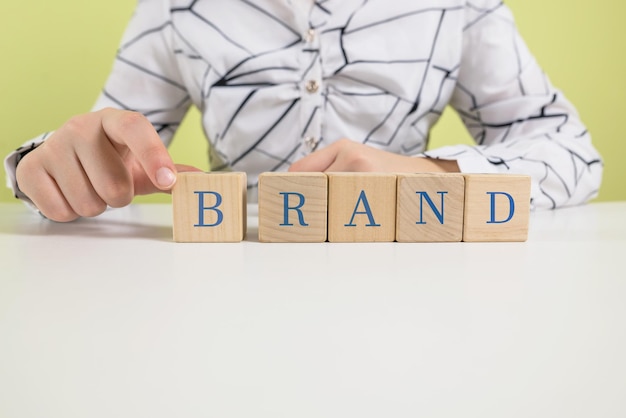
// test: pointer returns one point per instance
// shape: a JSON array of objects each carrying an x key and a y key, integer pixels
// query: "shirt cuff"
[
  {"x": 10, "y": 167},
  {"x": 466, "y": 157}
]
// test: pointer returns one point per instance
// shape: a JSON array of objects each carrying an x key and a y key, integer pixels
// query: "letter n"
[{"x": 438, "y": 214}]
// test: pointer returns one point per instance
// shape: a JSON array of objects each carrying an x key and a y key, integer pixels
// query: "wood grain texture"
[
  {"x": 209, "y": 207},
  {"x": 293, "y": 207}
]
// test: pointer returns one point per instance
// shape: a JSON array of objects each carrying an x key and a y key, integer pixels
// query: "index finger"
[
  {"x": 319, "y": 160},
  {"x": 134, "y": 131}
]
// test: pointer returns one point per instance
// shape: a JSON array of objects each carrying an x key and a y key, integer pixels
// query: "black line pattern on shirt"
[{"x": 349, "y": 70}]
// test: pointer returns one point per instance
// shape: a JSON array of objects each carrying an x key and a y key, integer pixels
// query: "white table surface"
[{"x": 108, "y": 317}]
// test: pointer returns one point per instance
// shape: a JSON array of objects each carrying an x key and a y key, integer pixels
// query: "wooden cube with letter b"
[
  {"x": 293, "y": 207},
  {"x": 430, "y": 207},
  {"x": 497, "y": 207},
  {"x": 209, "y": 207},
  {"x": 361, "y": 207}
]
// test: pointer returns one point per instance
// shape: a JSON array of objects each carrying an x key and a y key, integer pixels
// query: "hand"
[
  {"x": 95, "y": 160},
  {"x": 350, "y": 156}
]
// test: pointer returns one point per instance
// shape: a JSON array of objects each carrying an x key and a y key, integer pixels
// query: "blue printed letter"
[
  {"x": 202, "y": 208},
  {"x": 368, "y": 211},
  {"x": 439, "y": 215},
  {"x": 286, "y": 208},
  {"x": 493, "y": 208}
]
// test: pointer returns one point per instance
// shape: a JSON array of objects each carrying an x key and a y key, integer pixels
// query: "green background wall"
[{"x": 56, "y": 56}]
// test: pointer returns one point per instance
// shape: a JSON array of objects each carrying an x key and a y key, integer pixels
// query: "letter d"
[{"x": 492, "y": 219}]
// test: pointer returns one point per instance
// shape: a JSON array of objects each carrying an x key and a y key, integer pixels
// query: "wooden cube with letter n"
[
  {"x": 497, "y": 207},
  {"x": 209, "y": 207},
  {"x": 361, "y": 207},
  {"x": 430, "y": 207},
  {"x": 293, "y": 207}
]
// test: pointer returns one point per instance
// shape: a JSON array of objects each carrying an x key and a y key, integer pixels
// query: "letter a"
[{"x": 368, "y": 211}]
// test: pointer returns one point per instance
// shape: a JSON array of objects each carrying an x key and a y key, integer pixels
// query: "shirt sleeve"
[
  {"x": 145, "y": 78},
  {"x": 11, "y": 161},
  {"x": 520, "y": 122}
]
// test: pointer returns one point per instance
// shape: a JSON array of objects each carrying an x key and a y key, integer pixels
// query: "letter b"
[{"x": 202, "y": 208}]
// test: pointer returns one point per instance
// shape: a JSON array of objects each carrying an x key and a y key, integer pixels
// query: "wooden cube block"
[
  {"x": 361, "y": 207},
  {"x": 430, "y": 207},
  {"x": 293, "y": 207},
  {"x": 209, "y": 207},
  {"x": 497, "y": 207}
]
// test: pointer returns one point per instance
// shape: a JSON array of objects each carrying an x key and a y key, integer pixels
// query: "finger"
[
  {"x": 134, "y": 131},
  {"x": 319, "y": 160},
  {"x": 45, "y": 194},
  {"x": 54, "y": 206},
  {"x": 183, "y": 168},
  {"x": 105, "y": 171},
  {"x": 356, "y": 160},
  {"x": 143, "y": 185},
  {"x": 75, "y": 186}
]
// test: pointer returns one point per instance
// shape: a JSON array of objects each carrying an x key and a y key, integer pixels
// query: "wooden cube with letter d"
[{"x": 497, "y": 207}]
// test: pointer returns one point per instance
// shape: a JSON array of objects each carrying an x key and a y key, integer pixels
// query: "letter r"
[{"x": 287, "y": 208}]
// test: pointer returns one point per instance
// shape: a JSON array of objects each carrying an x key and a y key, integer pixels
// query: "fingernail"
[{"x": 165, "y": 177}]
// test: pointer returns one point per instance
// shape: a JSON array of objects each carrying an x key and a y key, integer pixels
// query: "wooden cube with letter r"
[
  {"x": 497, "y": 207},
  {"x": 293, "y": 207},
  {"x": 209, "y": 207},
  {"x": 361, "y": 207}
]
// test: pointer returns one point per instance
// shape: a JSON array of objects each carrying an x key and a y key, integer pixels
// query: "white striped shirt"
[{"x": 276, "y": 79}]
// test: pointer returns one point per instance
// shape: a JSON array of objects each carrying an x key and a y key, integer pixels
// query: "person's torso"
[{"x": 275, "y": 82}]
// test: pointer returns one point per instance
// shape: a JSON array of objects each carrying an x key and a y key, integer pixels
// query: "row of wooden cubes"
[{"x": 354, "y": 207}]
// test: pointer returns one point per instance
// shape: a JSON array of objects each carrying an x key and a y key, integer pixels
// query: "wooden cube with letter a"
[
  {"x": 497, "y": 207},
  {"x": 430, "y": 207},
  {"x": 361, "y": 207},
  {"x": 209, "y": 207},
  {"x": 293, "y": 207}
]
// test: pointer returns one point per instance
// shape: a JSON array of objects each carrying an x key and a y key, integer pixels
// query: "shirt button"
[
  {"x": 311, "y": 142},
  {"x": 312, "y": 86},
  {"x": 310, "y": 35}
]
